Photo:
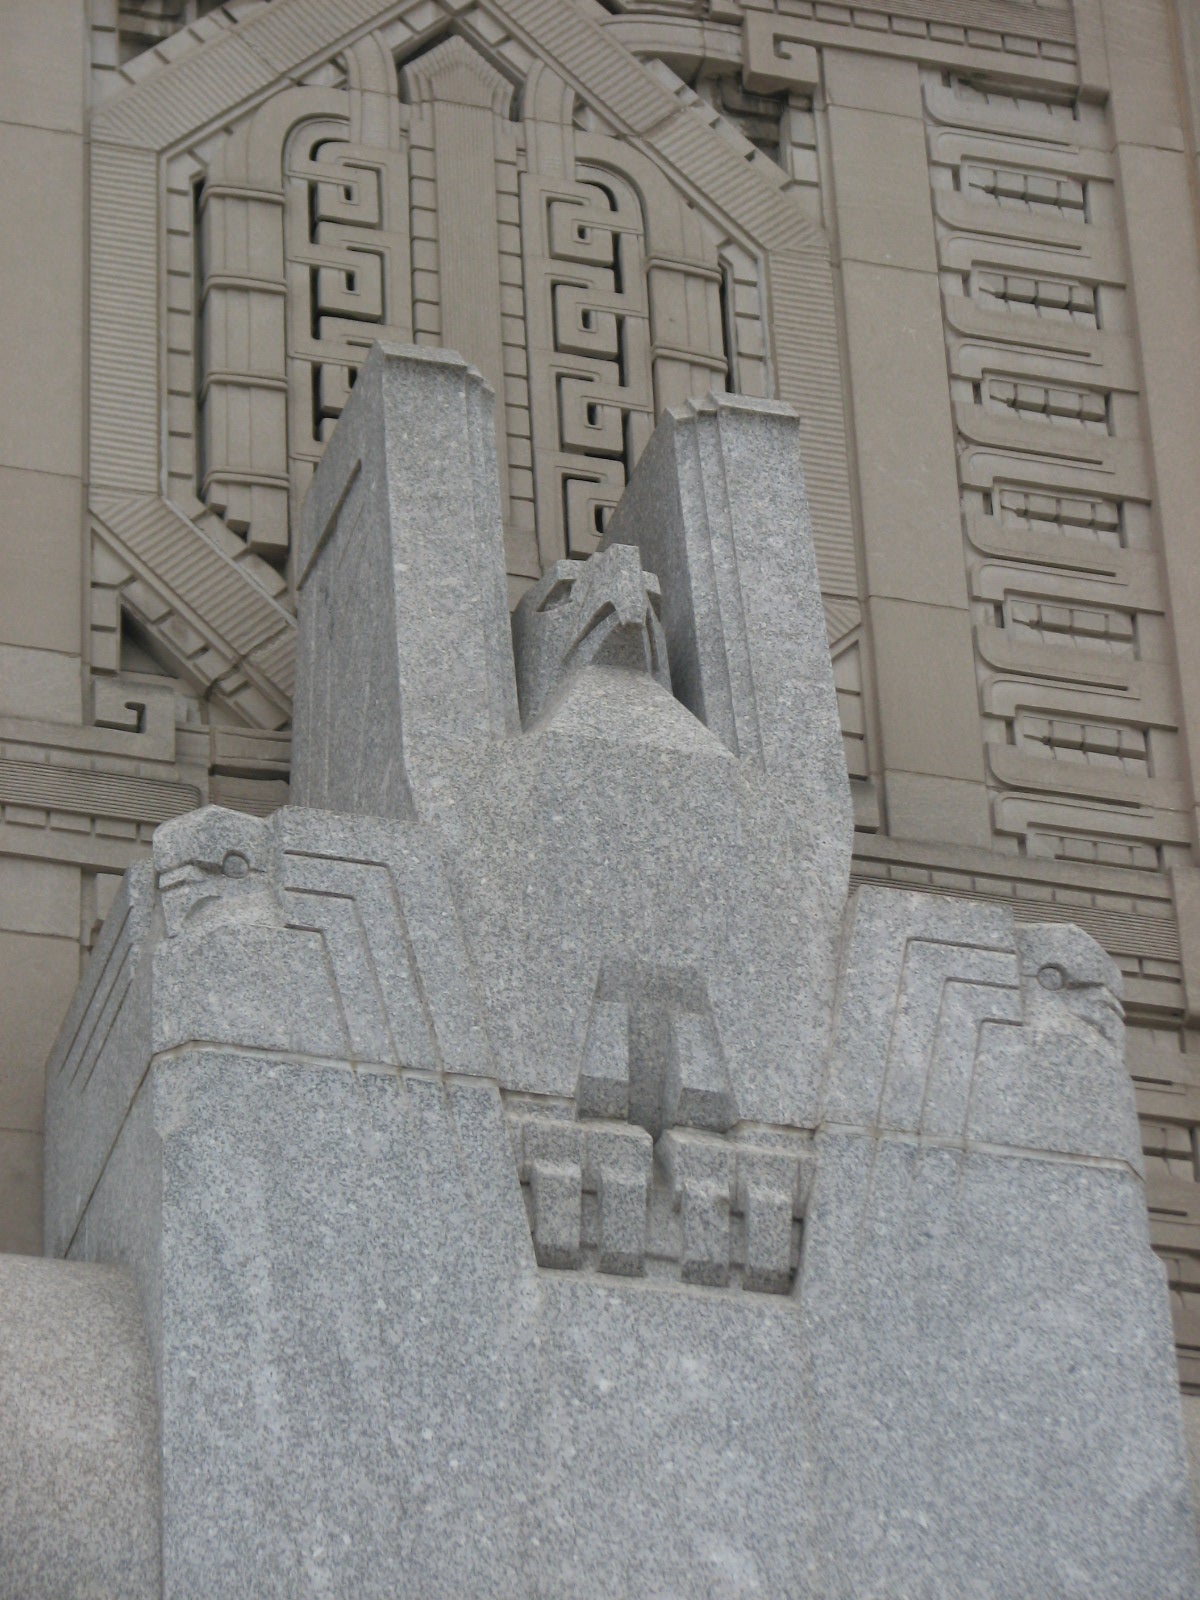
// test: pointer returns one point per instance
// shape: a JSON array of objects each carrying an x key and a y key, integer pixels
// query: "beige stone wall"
[
  {"x": 43, "y": 72},
  {"x": 960, "y": 235}
]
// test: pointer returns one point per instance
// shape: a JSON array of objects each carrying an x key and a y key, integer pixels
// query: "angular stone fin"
[
  {"x": 406, "y": 656},
  {"x": 717, "y": 507}
]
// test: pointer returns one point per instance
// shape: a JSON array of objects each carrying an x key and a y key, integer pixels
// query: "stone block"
[
  {"x": 41, "y": 551},
  {"x": 771, "y": 61},
  {"x": 602, "y": 1089},
  {"x": 1142, "y": 55},
  {"x": 880, "y": 84},
  {"x": 41, "y": 264},
  {"x": 79, "y": 1492},
  {"x": 1191, "y": 1435},
  {"x": 554, "y": 1158},
  {"x": 696, "y": 1092},
  {"x": 98, "y": 1060},
  {"x": 38, "y": 976},
  {"x": 952, "y": 811},
  {"x": 1060, "y": 1082},
  {"x": 418, "y": 1356},
  {"x": 504, "y": 1220},
  {"x": 771, "y": 1191},
  {"x": 43, "y": 56},
  {"x": 955, "y": 1024},
  {"x": 540, "y": 835},
  {"x": 354, "y": 921},
  {"x": 42, "y": 684},
  {"x": 587, "y": 613},
  {"x": 39, "y": 897},
  {"x": 396, "y": 948},
  {"x": 577, "y": 845},
  {"x": 1003, "y": 1391},
  {"x": 701, "y": 1174},
  {"x": 20, "y": 1191},
  {"x": 921, "y": 977},
  {"x": 652, "y": 1052},
  {"x": 1185, "y": 891},
  {"x": 1157, "y": 190},
  {"x": 618, "y": 1167},
  {"x": 881, "y": 186}
]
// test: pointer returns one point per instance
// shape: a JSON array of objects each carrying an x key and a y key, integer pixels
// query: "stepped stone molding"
[{"x": 1034, "y": 44}]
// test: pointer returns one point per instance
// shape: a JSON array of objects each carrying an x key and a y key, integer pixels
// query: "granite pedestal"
[{"x": 541, "y": 1176}]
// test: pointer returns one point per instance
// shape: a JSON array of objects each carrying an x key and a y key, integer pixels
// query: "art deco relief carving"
[
  {"x": 453, "y": 188},
  {"x": 521, "y": 242},
  {"x": 1079, "y": 709}
]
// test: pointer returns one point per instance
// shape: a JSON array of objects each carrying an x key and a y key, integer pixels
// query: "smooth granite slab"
[{"x": 79, "y": 1463}]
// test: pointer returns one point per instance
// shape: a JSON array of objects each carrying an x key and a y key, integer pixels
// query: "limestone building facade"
[{"x": 960, "y": 236}]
